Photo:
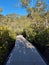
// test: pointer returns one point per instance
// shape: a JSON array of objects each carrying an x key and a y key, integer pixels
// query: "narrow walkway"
[{"x": 24, "y": 53}]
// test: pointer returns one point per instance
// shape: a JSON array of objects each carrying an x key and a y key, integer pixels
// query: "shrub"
[
  {"x": 29, "y": 33},
  {"x": 6, "y": 44},
  {"x": 42, "y": 38},
  {"x": 39, "y": 39}
]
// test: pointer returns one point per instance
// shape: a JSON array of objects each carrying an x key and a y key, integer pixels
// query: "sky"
[{"x": 10, "y": 7}]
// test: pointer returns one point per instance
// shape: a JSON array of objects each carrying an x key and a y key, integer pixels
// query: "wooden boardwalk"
[{"x": 24, "y": 53}]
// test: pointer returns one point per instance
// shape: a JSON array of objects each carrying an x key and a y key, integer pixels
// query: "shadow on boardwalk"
[{"x": 24, "y": 53}]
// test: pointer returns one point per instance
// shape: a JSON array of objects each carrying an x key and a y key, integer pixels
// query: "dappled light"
[
  {"x": 27, "y": 18},
  {"x": 24, "y": 53}
]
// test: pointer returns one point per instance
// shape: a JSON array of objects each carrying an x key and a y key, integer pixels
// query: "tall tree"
[
  {"x": 1, "y": 9},
  {"x": 25, "y": 3},
  {"x": 40, "y": 6},
  {"x": 0, "y": 12}
]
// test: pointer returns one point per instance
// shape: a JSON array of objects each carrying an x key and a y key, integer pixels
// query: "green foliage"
[
  {"x": 25, "y": 3},
  {"x": 33, "y": 27},
  {"x": 29, "y": 33},
  {"x": 12, "y": 34},
  {"x": 40, "y": 6},
  {"x": 42, "y": 38},
  {"x": 6, "y": 44}
]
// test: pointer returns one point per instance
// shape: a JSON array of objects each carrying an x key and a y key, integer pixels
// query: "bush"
[
  {"x": 6, "y": 44},
  {"x": 39, "y": 39},
  {"x": 29, "y": 33},
  {"x": 42, "y": 38}
]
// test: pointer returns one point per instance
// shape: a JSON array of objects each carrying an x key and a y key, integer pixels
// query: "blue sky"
[{"x": 9, "y": 7}]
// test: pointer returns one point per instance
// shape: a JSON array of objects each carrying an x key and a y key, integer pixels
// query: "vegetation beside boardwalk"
[
  {"x": 34, "y": 27},
  {"x": 34, "y": 31},
  {"x": 6, "y": 44}
]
